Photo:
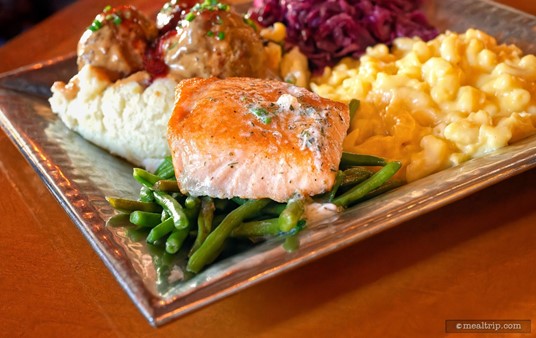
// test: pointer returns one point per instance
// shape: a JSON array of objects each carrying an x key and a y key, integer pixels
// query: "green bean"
[
  {"x": 212, "y": 246},
  {"x": 161, "y": 230},
  {"x": 339, "y": 178},
  {"x": 375, "y": 181},
  {"x": 292, "y": 214},
  {"x": 191, "y": 208},
  {"x": 223, "y": 204},
  {"x": 263, "y": 228},
  {"x": 175, "y": 240},
  {"x": 145, "y": 219},
  {"x": 119, "y": 220},
  {"x": 218, "y": 219},
  {"x": 292, "y": 243},
  {"x": 191, "y": 214},
  {"x": 144, "y": 177},
  {"x": 167, "y": 174},
  {"x": 204, "y": 222},
  {"x": 165, "y": 169},
  {"x": 173, "y": 208},
  {"x": 239, "y": 200},
  {"x": 164, "y": 215},
  {"x": 274, "y": 208},
  {"x": 355, "y": 175},
  {"x": 126, "y": 205},
  {"x": 389, "y": 185},
  {"x": 351, "y": 160},
  {"x": 192, "y": 202},
  {"x": 166, "y": 185},
  {"x": 160, "y": 208},
  {"x": 146, "y": 194}
]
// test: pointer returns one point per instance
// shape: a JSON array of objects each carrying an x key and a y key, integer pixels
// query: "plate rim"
[{"x": 159, "y": 311}]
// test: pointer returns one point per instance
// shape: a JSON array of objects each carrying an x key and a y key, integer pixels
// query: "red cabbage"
[{"x": 327, "y": 31}]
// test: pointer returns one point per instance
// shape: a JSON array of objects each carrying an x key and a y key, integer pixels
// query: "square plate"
[{"x": 80, "y": 175}]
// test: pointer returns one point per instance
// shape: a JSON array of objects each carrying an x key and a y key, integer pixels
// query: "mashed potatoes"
[
  {"x": 436, "y": 104},
  {"x": 128, "y": 117}
]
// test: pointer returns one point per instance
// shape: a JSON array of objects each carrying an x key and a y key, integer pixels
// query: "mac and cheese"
[{"x": 435, "y": 104}]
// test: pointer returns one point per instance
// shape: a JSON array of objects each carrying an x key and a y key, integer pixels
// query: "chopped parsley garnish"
[
  {"x": 190, "y": 17},
  {"x": 308, "y": 139},
  {"x": 95, "y": 25},
  {"x": 262, "y": 114},
  {"x": 210, "y": 5},
  {"x": 113, "y": 17},
  {"x": 291, "y": 78},
  {"x": 116, "y": 19}
]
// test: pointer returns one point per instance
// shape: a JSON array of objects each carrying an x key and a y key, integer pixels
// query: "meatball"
[
  {"x": 213, "y": 43},
  {"x": 116, "y": 41},
  {"x": 171, "y": 13}
]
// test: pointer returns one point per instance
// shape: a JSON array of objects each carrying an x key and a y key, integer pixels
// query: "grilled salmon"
[{"x": 254, "y": 138}]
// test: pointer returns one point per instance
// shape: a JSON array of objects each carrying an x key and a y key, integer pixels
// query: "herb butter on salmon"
[{"x": 253, "y": 138}]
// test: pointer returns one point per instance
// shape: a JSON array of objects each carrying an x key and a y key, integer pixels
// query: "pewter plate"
[{"x": 161, "y": 290}]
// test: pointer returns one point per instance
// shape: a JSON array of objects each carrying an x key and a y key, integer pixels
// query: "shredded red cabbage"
[{"x": 328, "y": 30}]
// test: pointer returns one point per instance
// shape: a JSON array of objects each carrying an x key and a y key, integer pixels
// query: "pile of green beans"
[{"x": 173, "y": 221}]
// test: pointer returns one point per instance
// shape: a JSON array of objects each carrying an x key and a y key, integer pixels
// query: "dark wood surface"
[{"x": 473, "y": 259}]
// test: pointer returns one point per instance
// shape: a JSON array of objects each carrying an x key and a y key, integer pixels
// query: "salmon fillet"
[{"x": 254, "y": 138}]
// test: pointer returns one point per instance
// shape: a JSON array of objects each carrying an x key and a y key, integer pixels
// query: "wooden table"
[{"x": 473, "y": 259}]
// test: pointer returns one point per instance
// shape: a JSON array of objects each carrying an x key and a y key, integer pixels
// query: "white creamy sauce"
[
  {"x": 176, "y": 274},
  {"x": 306, "y": 118},
  {"x": 287, "y": 102},
  {"x": 319, "y": 211}
]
